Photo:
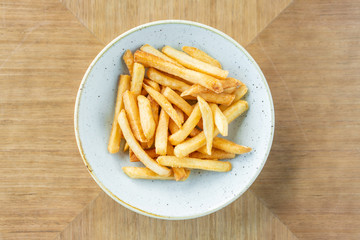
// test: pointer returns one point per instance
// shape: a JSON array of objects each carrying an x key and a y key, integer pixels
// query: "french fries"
[
  {"x": 240, "y": 92},
  {"x": 230, "y": 90},
  {"x": 137, "y": 78},
  {"x": 219, "y": 98},
  {"x": 155, "y": 111},
  {"x": 126, "y": 147},
  {"x": 229, "y": 146},
  {"x": 194, "y": 163},
  {"x": 194, "y": 64},
  {"x": 219, "y": 119},
  {"x": 128, "y": 58},
  {"x": 196, "y": 100},
  {"x": 191, "y": 145},
  {"x": 145, "y": 173},
  {"x": 179, "y": 173},
  {"x": 165, "y": 104},
  {"x": 208, "y": 122},
  {"x": 136, "y": 148},
  {"x": 178, "y": 101},
  {"x": 132, "y": 111},
  {"x": 161, "y": 136},
  {"x": 115, "y": 134},
  {"x": 215, "y": 154},
  {"x": 149, "y": 49},
  {"x": 166, "y": 80},
  {"x": 170, "y": 149},
  {"x": 152, "y": 84},
  {"x": 150, "y": 152},
  {"x": 180, "y": 113},
  {"x": 173, "y": 127},
  {"x": 230, "y": 82},
  {"x": 202, "y": 56},
  {"x": 146, "y": 117},
  {"x": 179, "y": 136},
  {"x": 154, "y": 108},
  {"x": 187, "y": 74}
]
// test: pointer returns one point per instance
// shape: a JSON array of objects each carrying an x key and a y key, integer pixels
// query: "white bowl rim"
[{"x": 77, "y": 103}]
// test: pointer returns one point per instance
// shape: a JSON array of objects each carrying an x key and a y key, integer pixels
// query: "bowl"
[{"x": 203, "y": 192}]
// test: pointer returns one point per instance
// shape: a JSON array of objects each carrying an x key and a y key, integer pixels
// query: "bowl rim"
[{"x": 77, "y": 104}]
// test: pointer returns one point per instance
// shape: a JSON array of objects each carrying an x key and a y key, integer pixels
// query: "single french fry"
[
  {"x": 208, "y": 122},
  {"x": 126, "y": 147},
  {"x": 115, "y": 134},
  {"x": 165, "y": 80},
  {"x": 178, "y": 101},
  {"x": 161, "y": 136},
  {"x": 194, "y": 64},
  {"x": 192, "y": 144},
  {"x": 187, "y": 74},
  {"x": 179, "y": 173},
  {"x": 136, "y": 148},
  {"x": 152, "y": 84},
  {"x": 230, "y": 90},
  {"x": 149, "y": 49},
  {"x": 180, "y": 135},
  {"x": 229, "y": 146},
  {"x": 240, "y": 92},
  {"x": 132, "y": 112},
  {"x": 145, "y": 173},
  {"x": 215, "y": 154},
  {"x": 200, "y": 55},
  {"x": 155, "y": 108},
  {"x": 219, "y": 119},
  {"x": 230, "y": 82},
  {"x": 150, "y": 152},
  {"x": 209, "y": 96},
  {"x": 137, "y": 78},
  {"x": 146, "y": 117},
  {"x": 194, "y": 163},
  {"x": 155, "y": 111},
  {"x": 164, "y": 103},
  {"x": 128, "y": 58},
  {"x": 235, "y": 110},
  {"x": 188, "y": 98}
]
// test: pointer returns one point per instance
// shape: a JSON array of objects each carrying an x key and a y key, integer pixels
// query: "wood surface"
[
  {"x": 310, "y": 186},
  {"x": 241, "y": 19},
  {"x": 247, "y": 218}
]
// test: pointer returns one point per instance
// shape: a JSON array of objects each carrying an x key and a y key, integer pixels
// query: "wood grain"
[
  {"x": 241, "y": 19},
  {"x": 44, "y": 51},
  {"x": 246, "y": 218},
  {"x": 310, "y": 56}
]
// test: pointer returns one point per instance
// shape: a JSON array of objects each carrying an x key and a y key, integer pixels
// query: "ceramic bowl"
[{"x": 203, "y": 192}]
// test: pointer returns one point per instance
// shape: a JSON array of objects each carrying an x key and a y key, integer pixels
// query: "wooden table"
[{"x": 309, "y": 52}]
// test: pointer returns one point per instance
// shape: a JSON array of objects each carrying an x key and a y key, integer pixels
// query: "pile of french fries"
[{"x": 171, "y": 113}]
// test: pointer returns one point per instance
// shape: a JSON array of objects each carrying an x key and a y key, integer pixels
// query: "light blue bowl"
[{"x": 203, "y": 192}]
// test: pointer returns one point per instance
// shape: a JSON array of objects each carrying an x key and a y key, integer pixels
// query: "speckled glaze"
[{"x": 204, "y": 192}]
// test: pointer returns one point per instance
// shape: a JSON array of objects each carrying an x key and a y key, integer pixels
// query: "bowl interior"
[{"x": 204, "y": 192}]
